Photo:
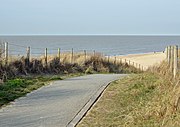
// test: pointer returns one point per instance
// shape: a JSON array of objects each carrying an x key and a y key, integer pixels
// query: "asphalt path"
[{"x": 54, "y": 105}]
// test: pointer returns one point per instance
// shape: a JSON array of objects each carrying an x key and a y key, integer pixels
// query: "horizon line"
[{"x": 89, "y": 34}]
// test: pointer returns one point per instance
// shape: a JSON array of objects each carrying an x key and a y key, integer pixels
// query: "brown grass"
[
  {"x": 151, "y": 99},
  {"x": 97, "y": 64},
  {"x": 170, "y": 95}
]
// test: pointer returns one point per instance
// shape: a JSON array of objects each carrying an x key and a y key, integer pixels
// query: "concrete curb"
[{"x": 88, "y": 105}]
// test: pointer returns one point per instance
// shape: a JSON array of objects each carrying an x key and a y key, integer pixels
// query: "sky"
[{"x": 89, "y": 17}]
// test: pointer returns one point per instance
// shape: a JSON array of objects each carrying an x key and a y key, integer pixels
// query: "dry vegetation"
[
  {"x": 168, "y": 101},
  {"x": 151, "y": 99},
  {"x": 21, "y": 67}
]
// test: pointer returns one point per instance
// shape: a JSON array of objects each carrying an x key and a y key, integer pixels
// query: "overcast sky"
[{"x": 89, "y": 17}]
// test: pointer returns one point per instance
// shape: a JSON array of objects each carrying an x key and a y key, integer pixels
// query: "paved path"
[{"x": 54, "y": 105}]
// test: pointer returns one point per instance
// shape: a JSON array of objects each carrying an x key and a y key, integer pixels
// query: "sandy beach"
[{"x": 146, "y": 60}]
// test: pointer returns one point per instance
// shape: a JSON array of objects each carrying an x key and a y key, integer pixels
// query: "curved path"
[{"x": 54, "y": 105}]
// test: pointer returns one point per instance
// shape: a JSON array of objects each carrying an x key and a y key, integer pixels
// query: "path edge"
[{"x": 79, "y": 116}]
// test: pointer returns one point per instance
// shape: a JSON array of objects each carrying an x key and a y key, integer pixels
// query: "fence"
[
  {"x": 172, "y": 57},
  {"x": 64, "y": 56}
]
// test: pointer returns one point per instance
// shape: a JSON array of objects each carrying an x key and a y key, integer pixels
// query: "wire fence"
[{"x": 11, "y": 52}]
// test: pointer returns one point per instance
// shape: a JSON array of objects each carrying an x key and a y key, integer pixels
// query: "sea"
[{"x": 109, "y": 45}]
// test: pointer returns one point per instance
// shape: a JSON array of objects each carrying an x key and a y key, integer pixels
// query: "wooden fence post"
[
  {"x": 85, "y": 53},
  {"x": 175, "y": 60},
  {"x": 166, "y": 51},
  {"x": 125, "y": 61},
  {"x": 6, "y": 53},
  {"x": 108, "y": 59},
  {"x": 28, "y": 55},
  {"x": 59, "y": 55},
  {"x": 45, "y": 57},
  {"x": 169, "y": 54},
  {"x": 84, "y": 56},
  {"x": 94, "y": 53},
  {"x": 129, "y": 62},
  {"x": 72, "y": 56},
  {"x": 172, "y": 58},
  {"x": 115, "y": 60}
]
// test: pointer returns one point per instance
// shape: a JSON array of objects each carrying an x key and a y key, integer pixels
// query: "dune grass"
[
  {"x": 97, "y": 64},
  {"x": 150, "y": 99}
]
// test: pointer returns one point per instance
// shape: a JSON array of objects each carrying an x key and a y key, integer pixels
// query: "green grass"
[
  {"x": 15, "y": 88},
  {"x": 134, "y": 101}
]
